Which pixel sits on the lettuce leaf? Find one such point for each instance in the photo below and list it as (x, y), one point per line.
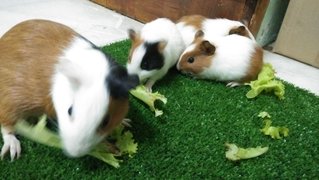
(41, 134)
(274, 132)
(126, 144)
(264, 114)
(266, 82)
(149, 98)
(235, 153)
(124, 141)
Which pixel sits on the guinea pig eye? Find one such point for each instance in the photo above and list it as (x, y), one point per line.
(70, 110)
(190, 60)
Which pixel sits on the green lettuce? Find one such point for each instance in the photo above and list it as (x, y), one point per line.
(235, 153)
(149, 98)
(266, 82)
(264, 114)
(272, 131)
(41, 134)
(124, 141)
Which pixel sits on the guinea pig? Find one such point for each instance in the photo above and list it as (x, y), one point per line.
(189, 25)
(48, 68)
(155, 49)
(234, 58)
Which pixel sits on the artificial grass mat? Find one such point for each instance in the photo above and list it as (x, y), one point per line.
(187, 141)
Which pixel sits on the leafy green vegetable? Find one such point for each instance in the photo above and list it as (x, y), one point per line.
(40, 134)
(235, 153)
(126, 144)
(266, 82)
(149, 98)
(101, 152)
(264, 114)
(274, 132)
(124, 141)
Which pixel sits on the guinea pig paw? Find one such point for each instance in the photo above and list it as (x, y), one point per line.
(233, 84)
(113, 149)
(12, 144)
(127, 122)
(149, 84)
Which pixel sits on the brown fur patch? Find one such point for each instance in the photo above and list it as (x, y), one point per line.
(161, 46)
(255, 65)
(201, 59)
(28, 53)
(241, 30)
(117, 111)
(193, 20)
(136, 41)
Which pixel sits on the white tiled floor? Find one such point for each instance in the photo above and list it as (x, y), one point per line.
(98, 24)
(103, 26)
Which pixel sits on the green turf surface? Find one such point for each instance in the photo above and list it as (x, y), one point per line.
(188, 140)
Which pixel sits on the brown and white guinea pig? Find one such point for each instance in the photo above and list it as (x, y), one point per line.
(46, 67)
(189, 25)
(234, 59)
(155, 49)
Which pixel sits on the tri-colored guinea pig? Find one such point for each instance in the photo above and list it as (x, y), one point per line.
(46, 67)
(155, 49)
(233, 58)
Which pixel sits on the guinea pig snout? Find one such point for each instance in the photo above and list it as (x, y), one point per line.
(79, 144)
(180, 66)
(73, 154)
(79, 151)
(187, 73)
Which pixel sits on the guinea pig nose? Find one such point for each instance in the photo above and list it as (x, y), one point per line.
(186, 73)
(189, 74)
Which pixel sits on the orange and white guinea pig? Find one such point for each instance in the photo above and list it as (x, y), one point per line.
(46, 67)
(189, 25)
(233, 58)
(155, 49)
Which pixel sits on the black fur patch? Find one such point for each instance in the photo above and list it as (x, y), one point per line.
(120, 82)
(152, 59)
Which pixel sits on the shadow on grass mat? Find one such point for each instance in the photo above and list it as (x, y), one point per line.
(188, 140)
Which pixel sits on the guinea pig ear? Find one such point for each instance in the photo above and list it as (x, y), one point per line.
(199, 34)
(207, 48)
(132, 34)
(161, 46)
(240, 30)
(120, 82)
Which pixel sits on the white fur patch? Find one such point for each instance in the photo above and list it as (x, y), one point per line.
(187, 32)
(221, 27)
(212, 28)
(80, 82)
(231, 59)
